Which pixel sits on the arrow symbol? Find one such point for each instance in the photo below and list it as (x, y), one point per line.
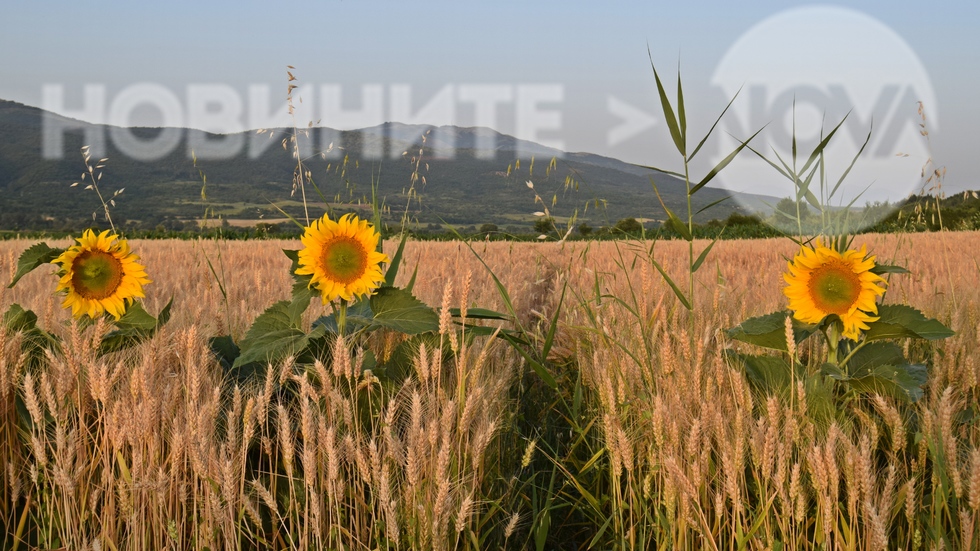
(634, 122)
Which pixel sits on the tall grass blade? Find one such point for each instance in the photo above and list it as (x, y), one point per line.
(675, 131)
(671, 172)
(712, 129)
(675, 222)
(721, 166)
(677, 290)
(853, 161)
(217, 279)
(703, 255)
(713, 203)
(553, 328)
(772, 164)
(803, 190)
(823, 144)
(681, 114)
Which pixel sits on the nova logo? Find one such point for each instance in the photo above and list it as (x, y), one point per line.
(831, 62)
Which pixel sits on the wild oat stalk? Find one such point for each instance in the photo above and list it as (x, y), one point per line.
(94, 178)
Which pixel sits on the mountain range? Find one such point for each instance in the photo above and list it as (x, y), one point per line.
(478, 184)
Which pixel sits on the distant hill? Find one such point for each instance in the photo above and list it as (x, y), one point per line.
(471, 188)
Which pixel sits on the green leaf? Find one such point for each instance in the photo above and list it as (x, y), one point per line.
(779, 169)
(670, 172)
(34, 340)
(712, 129)
(676, 289)
(833, 371)
(724, 162)
(552, 329)
(703, 255)
(411, 282)
(399, 364)
(34, 256)
(479, 314)
(820, 147)
(897, 321)
(397, 309)
(396, 261)
(904, 382)
(675, 131)
(803, 191)
(358, 314)
(135, 326)
(537, 366)
(873, 355)
(221, 287)
(880, 367)
(853, 161)
(16, 319)
(302, 293)
(681, 112)
(224, 349)
(678, 225)
(675, 222)
(711, 204)
(881, 269)
(769, 331)
(770, 374)
(276, 334)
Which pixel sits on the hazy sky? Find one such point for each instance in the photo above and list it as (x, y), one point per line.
(580, 67)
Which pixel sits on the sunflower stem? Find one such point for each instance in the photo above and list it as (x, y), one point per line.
(833, 342)
(342, 317)
(850, 354)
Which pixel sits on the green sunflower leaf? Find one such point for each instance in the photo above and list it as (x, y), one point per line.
(896, 321)
(276, 334)
(16, 318)
(903, 382)
(34, 256)
(135, 326)
(399, 364)
(769, 331)
(302, 292)
(397, 309)
(881, 368)
(874, 355)
(34, 340)
(770, 374)
(225, 350)
(358, 314)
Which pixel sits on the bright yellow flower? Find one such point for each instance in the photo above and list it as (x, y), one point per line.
(342, 257)
(99, 275)
(822, 281)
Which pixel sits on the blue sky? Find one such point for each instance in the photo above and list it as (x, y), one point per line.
(591, 50)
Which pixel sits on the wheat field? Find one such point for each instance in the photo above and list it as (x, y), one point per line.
(650, 439)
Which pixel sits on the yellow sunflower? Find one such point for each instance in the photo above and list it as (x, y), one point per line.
(100, 274)
(342, 257)
(822, 281)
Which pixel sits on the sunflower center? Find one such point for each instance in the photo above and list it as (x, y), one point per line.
(344, 259)
(96, 274)
(834, 287)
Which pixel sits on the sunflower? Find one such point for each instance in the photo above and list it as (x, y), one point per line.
(99, 275)
(822, 281)
(342, 258)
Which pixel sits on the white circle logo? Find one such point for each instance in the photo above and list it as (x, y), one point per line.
(831, 62)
